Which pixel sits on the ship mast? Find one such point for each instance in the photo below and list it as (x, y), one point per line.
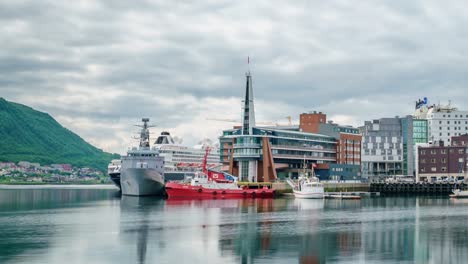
(144, 133)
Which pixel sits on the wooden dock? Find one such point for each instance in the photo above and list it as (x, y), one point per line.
(417, 188)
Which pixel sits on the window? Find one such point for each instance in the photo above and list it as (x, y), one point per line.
(448, 122)
(460, 151)
(444, 169)
(448, 134)
(433, 152)
(443, 151)
(433, 160)
(440, 122)
(433, 169)
(444, 160)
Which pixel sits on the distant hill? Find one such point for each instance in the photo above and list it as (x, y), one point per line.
(30, 135)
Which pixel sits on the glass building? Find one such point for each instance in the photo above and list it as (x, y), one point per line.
(284, 151)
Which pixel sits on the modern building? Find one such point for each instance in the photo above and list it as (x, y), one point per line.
(387, 147)
(269, 153)
(444, 122)
(263, 154)
(348, 144)
(438, 161)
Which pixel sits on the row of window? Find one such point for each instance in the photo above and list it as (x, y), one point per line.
(441, 151)
(455, 122)
(443, 160)
(434, 169)
(454, 128)
(448, 134)
(456, 116)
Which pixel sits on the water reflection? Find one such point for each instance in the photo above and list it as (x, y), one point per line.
(106, 229)
(137, 230)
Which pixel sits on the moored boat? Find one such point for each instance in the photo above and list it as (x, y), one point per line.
(307, 187)
(113, 170)
(459, 194)
(142, 170)
(211, 184)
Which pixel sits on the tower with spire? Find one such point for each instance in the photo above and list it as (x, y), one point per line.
(248, 113)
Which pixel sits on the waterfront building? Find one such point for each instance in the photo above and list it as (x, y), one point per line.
(443, 122)
(387, 147)
(438, 161)
(348, 144)
(263, 154)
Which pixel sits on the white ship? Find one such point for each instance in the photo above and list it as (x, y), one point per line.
(181, 161)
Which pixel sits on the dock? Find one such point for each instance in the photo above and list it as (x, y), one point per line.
(417, 188)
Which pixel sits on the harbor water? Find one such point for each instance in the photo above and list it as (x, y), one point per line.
(94, 224)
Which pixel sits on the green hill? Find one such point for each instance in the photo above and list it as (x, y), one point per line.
(30, 135)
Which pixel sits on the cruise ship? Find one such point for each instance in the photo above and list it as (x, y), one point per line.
(180, 161)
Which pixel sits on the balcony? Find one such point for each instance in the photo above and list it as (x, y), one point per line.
(289, 147)
(246, 155)
(301, 157)
(247, 145)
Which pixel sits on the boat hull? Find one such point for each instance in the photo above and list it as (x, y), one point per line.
(141, 182)
(459, 194)
(186, 191)
(308, 195)
(115, 178)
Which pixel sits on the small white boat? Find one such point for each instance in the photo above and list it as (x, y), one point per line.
(309, 188)
(459, 194)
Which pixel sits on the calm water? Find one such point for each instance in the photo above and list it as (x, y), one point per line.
(93, 225)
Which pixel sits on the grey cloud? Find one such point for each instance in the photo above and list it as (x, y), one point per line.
(309, 55)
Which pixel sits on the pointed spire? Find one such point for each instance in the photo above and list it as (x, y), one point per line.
(248, 115)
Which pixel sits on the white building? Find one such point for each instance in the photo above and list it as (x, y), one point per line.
(443, 122)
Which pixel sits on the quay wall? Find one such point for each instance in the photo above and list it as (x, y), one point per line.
(416, 188)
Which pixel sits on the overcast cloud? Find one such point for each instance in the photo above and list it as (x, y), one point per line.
(99, 66)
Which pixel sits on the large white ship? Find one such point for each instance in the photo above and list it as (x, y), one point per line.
(182, 161)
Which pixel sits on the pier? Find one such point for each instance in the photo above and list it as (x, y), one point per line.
(416, 188)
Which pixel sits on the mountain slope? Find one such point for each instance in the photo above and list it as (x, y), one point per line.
(30, 135)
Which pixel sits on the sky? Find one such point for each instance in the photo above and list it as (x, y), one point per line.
(98, 66)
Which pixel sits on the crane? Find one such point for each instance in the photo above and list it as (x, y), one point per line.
(267, 123)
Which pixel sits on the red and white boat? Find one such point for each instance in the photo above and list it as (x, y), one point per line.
(214, 185)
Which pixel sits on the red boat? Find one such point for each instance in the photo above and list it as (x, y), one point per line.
(214, 185)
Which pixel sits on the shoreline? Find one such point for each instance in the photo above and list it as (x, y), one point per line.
(56, 186)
